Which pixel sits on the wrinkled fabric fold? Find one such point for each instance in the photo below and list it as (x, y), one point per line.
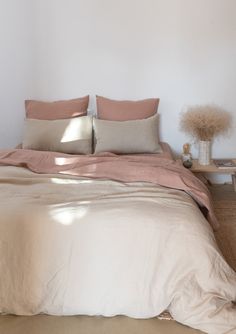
(155, 168)
(72, 245)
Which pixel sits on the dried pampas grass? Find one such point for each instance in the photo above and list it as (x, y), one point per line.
(205, 122)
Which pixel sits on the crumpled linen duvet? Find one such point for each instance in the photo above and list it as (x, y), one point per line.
(96, 246)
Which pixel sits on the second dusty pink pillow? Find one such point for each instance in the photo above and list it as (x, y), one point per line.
(56, 110)
(113, 110)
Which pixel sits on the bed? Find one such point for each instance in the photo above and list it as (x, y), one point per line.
(108, 234)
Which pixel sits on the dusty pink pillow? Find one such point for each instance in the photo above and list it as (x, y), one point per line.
(113, 110)
(56, 110)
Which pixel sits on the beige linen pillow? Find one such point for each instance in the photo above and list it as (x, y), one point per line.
(66, 135)
(113, 110)
(139, 136)
(58, 109)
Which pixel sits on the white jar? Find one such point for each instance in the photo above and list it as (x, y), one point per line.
(204, 157)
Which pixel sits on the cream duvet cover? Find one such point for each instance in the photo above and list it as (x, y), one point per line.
(73, 245)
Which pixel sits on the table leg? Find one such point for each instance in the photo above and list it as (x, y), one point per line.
(234, 181)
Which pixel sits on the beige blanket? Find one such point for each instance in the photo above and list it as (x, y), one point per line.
(155, 168)
(73, 245)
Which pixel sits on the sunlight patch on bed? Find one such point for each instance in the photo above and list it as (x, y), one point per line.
(64, 181)
(75, 130)
(68, 181)
(68, 216)
(86, 181)
(62, 161)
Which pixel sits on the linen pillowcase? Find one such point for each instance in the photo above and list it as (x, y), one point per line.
(57, 110)
(73, 136)
(113, 110)
(138, 136)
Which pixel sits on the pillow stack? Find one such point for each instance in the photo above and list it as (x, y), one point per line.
(126, 127)
(121, 127)
(61, 126)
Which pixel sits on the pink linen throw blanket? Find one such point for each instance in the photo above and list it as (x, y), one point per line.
(154, 168)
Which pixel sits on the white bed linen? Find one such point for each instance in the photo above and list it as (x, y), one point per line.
(98, 247)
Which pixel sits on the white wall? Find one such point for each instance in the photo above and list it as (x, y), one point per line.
(182, 51)
(15, 67)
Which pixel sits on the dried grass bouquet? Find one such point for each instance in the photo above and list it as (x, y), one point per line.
(205, 122)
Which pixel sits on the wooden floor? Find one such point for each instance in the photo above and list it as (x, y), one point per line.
(225, 209)
(223, 192)
(43, 324)
(98, 325)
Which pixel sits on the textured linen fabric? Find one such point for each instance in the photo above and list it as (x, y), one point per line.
(65, 135)
(114, 110)
(58, 109)
(139, 136)
(155, 168)
(74, 245)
